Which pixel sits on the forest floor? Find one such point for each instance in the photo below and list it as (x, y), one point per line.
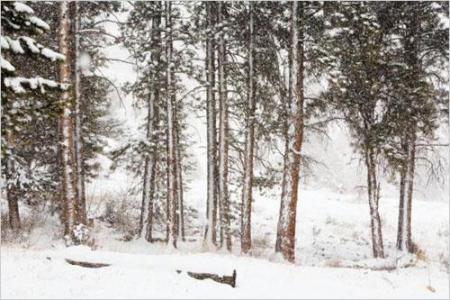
(333, 258)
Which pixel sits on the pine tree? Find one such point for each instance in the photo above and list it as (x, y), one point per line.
(19, 19)
(357, 91)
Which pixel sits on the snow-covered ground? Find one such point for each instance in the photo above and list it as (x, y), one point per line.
(45, 274)
(333, 258)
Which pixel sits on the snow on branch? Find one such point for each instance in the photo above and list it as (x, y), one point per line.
(31, 45)
(20, 85)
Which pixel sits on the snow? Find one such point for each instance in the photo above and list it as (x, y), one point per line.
(52, 55)
(39, 23)
(22, 7)
(17, 84)
(333, 256)
(45, 274)
(6, 65)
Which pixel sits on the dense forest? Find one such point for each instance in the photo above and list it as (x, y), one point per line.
(249, 68)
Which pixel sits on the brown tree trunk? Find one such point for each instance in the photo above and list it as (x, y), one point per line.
(171, 155)
(373, 194)
(247, 189)
(410, 189)
(223, 139)
(11, 188)
(288, 210)
(67, 150)
(401, 209)
(211, 205)
(78, 140)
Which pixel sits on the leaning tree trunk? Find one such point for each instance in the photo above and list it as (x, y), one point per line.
(246, 238)
(288, 209)
(171, 155)
(69, 191)
(78, 140)
(210, 229)
(224, 202)
(373, 191)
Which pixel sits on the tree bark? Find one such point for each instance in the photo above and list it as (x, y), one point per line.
(410, 189)
(78, 140)
(210, 229)
(171, 155)
(151, 159)
(288, 209)
(286, 111)
(401, 209)
(247, 197)
(223, 138)
(69, 190)
(373, 194)
(181, 229)
(11, 187)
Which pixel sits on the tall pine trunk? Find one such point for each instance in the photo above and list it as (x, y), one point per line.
(171, 154)
(78, 140)
(247, 197)
(223, 138)
(211, 205)
(151, 159)
(67, 153)
(288, 206)
(286, 110)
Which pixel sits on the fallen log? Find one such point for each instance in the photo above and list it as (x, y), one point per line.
(86, 264)
(229, 280)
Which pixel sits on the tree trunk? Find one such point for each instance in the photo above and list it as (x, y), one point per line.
(246, 238)
(410, 188)
(286, 111)
(78, 140)
(223, 139)
(210, 230)
(11, 186)
(151, 159)
(171, 157)
(401, 210)
(288, 209)
(373, 190)
(181, 229)
(69, 191)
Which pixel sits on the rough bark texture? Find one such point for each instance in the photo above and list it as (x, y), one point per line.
(288, 209)
(246, 238)
(171, 155)
(210, 230)
(410, 189)
(148, 191)
(286, 110)
(78, 140)
(373, 194)
(11, 189)
(224, 205)
(69, 191)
